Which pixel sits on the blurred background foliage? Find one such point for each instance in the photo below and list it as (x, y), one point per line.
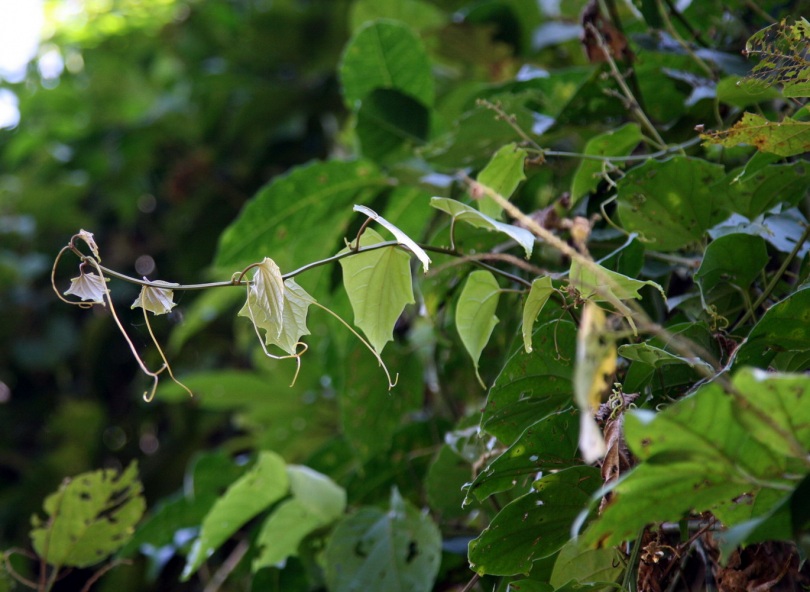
(151, 123)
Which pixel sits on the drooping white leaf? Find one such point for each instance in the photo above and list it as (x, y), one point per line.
(401, 237)
(473, 217)
(156, 300)
(89, 287)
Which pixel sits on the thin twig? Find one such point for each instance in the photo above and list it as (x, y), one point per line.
(228, 566)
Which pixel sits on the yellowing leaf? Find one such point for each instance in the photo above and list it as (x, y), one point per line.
(401, 237)
(595, 365)
(602, 285)
(538, 296)
(473, 217)
(293, 317)
(379, 286)
(786, 138)
(89, 287)
(475, 314)
(156, 300)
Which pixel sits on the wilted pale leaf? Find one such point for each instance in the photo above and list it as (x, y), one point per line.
(401, 237)
(156, 300)
(294, 317)
(89, 287)
(265, 303)
(595, 364)
(87, 237)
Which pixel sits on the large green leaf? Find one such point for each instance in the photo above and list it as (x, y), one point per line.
(473, 217)
(534, 525)
(617, 142)
(264, 484)
(549, 444)
(671, 203)
(788, 137)
(503, 174)
(580, 563)
(475, 313)
(531, 386)
(397, 551)
(753, 191)
(279, 221)
(389, 124)
(316, 502)
(90, 517)
(732, 259)
(695, 456)
(418, 14)
(379, 286)
(784, 327)
(385, 54)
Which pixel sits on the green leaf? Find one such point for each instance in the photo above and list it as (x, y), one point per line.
(397, 551)
(785, 326)
(534, 525)
(448, 473)
(401, 237)
(90, 517)
(265, 301)
(531, 386)
(473, 217)
(475, 313)
(617, 142)
(582, 564)
(293, 319)
(385, 54)
(695, 456)
(550, 444)
(389, 124)
(776, 410)
(755, 190)
(316, 502)
(786, 138)
(379, 286)
(734, 259)
(602, 285)
(782, 52)
(418, 14)
(539, 294)
(265, 483)
(280, 219)
(503, 174)
(671, 203)
(655, 356)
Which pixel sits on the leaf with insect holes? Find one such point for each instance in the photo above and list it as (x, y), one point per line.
(293, 317)
(157, 300)
(475, 314)
(788, 137)
(265, 302)
(401, 237)
(89, 287)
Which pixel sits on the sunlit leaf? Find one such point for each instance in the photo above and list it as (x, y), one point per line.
(473, 217)
(401, 237)
(397, 550)
(265, 483)
(475, 313)
(90, 517)
(602, 285)
(385, 54)
(534, 525)
(671, 203)
(596, 363)
(89, 287)
(617, 142)
(503, 173)
(539, 294)
(379, 286)
(786, 138)
(316, 502)
(783, 58)
(293, 324)
(157, 300)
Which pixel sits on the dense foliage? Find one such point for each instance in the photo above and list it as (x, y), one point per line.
(537, 273)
